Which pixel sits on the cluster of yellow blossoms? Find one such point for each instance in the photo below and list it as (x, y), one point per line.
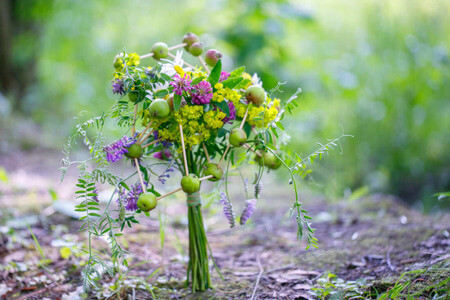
(197, 125)
(257, 116)
(131, 59)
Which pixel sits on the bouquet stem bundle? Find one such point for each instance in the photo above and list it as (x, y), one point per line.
(198, 268)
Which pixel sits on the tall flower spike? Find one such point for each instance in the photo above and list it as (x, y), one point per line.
(116, 150)
(227, 209)
(248, 210)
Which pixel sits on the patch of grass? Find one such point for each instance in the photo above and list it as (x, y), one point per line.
(433, 282)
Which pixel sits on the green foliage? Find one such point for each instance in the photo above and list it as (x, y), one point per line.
(379, 69)
(329, 286)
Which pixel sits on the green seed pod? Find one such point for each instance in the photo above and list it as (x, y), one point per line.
(196, 49)
(160, 50)
(190, 38)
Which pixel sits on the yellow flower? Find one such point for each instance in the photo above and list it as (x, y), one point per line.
(213, 119)
(179, 70)
(263, 115)
(133, 59)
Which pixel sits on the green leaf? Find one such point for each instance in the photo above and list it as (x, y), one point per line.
(280, 125)
(243, 83)
(161, 93)
(165, 77)
(223, 106)
(232, 82)
(196, 80)
(222, 132)
(237, 72)
(215, 73)
(247, 128)
(176, 101)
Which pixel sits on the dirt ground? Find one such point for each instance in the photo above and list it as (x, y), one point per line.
(372, 247)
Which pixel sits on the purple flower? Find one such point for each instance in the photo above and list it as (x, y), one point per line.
(116, 150)
(165, 144)
(248, 210)
(162, 155)
(232, 116)
(164, 175)
(227, 209)
(130, 199)
(202, 93)
(181, 85)
(118, 87)
(224, 76)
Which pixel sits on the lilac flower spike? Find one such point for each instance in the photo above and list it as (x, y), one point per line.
(116, 150)
(227, 209)
(118, 87)
(130, 199)
(248, 210)
(181, 85)
(202, 93)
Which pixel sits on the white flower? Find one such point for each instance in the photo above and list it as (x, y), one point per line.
(256, 80)
(168, 67)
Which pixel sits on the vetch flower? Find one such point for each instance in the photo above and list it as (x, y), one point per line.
(116, 150)
(181, 85)
(232, 115)
(118, 87)
(130, 199)
(227, 209)
(164, 175)
(162, 155)
(248, 210)
(202, 93)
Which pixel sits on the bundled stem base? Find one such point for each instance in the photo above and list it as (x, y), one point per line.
(198, 268)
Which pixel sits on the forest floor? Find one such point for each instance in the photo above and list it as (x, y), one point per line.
(370, 247)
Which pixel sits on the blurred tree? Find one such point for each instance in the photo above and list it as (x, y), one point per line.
(19, 36)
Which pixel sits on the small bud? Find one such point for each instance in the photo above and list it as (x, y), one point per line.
(212, 56)
(159, 50)
(196, 49)
(190, 38)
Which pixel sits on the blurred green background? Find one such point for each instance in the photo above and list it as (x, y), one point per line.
(380, 69)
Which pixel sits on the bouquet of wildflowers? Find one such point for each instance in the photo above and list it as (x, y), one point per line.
(197, 121)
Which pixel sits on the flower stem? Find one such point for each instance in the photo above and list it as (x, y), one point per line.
(143, 132)
(244, 118)
(151, 143)
(146, 55)
(224, 153)
(168, 194)
(203, 64)
(206, 177)
(186, 169)
(133, 129)
(248, 147)
(139, 172)
(177, 46)
(206, 153)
